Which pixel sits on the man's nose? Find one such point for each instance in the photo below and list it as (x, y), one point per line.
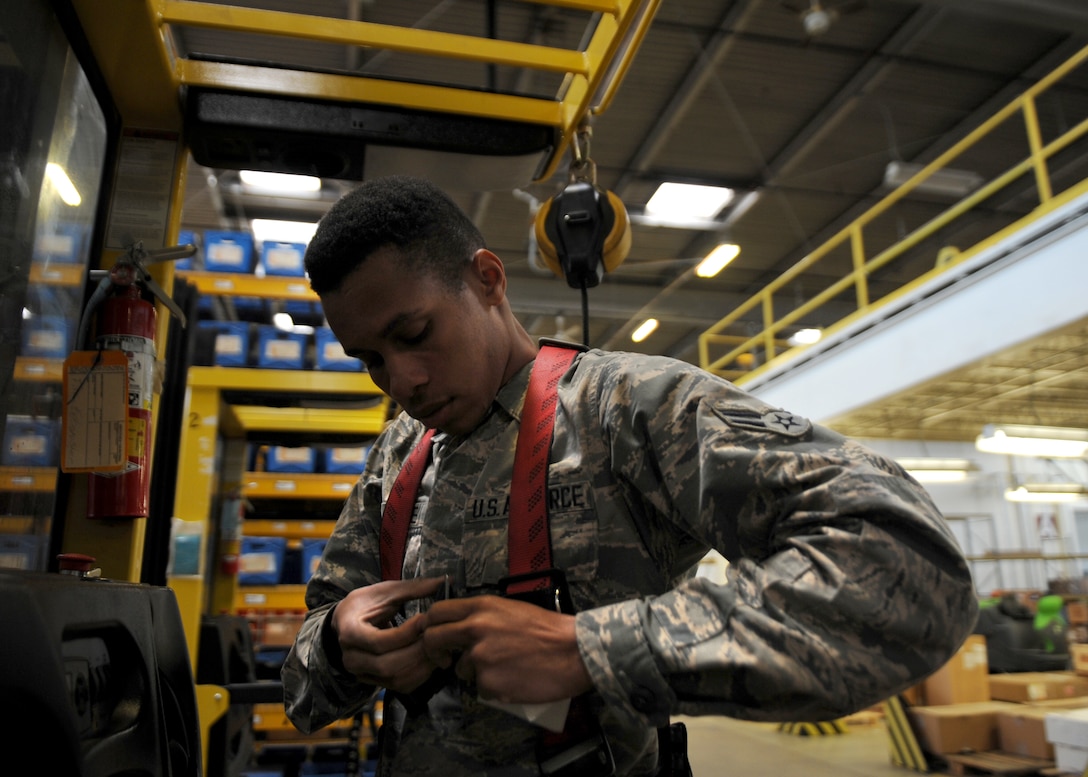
(406, 376)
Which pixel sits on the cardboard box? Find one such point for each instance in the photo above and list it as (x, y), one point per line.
(1022, 731)
(1076, 613)
(1078, 653)
(952, 728)
(1036, 686)
(1068, 732)
(964, 678)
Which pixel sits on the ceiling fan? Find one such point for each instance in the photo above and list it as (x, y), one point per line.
(816, 17)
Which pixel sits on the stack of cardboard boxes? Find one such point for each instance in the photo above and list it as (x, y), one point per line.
(963, 708)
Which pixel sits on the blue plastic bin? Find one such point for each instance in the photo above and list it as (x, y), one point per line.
(31, 442)
(329, 354)
(344, 460)
(228, 251)
(285, 459)
(282, 258)
(231, 346)
(280, 350)
(261, 561)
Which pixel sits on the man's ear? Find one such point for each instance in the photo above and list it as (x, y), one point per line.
(488, 272)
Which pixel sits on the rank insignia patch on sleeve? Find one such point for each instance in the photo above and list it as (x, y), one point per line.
(777, 421)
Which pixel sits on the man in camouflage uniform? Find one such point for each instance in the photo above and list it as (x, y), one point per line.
(844, 585)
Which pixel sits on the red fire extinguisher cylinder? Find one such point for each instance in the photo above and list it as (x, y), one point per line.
(127, 323)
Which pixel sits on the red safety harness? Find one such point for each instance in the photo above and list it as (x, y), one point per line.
(529, 539)
(529, 560)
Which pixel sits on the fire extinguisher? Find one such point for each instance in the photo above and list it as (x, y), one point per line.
(126, 323)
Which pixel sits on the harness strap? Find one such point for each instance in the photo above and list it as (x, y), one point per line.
(397, 515)
(529, 538)
(529, 547)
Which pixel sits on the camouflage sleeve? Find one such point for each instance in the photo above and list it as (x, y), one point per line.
(317, 689)
(844, 584)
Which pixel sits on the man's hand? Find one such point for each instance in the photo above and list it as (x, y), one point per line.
(515, 652)
(373, 649)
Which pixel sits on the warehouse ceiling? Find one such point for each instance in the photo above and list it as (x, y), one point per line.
(799, 114)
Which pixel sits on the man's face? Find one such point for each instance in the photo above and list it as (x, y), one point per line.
(439, 353)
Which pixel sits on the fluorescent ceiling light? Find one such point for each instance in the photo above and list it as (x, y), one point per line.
(645, 329)
(1043, 441)
(280, 183)
(1047, 492)
(63, 184)
(943, 181)
(273, 230)
(686, 201)
(806, 337)
(937, 470)
(717, 259)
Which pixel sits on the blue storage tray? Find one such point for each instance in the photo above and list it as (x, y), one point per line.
(47, 336)
(344, 460)
(228, 251)
(329, 354)
(281, 458)
(281, 350)
(64, 244)
(312, 549)
(231, 347)
(282, 258)
(21, 551)
(31, 442)
(261, 561)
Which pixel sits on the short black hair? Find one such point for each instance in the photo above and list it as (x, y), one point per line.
(430, 232)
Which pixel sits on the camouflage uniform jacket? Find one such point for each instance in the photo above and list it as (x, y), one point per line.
(844, 584)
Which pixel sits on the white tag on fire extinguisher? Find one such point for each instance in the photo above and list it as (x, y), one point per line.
(94, 425)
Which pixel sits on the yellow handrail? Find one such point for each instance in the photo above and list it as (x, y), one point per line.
(749, 356)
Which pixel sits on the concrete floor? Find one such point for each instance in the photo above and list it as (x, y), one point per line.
(723, 746)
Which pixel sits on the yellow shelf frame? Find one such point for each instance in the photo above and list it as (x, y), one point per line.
(287, 596)
(272, 485)
(208, 417)
(28, 479)
(292, 528)
(57, 274)
(124, 31)
(39, 369)
(243, 285)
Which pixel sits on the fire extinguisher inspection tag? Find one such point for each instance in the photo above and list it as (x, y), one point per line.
(95, 418)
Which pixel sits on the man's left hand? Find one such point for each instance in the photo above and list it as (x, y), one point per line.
(513, 651)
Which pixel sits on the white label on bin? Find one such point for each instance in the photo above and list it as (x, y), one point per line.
(334, 351)
(258, 562)
(224, 285)
(15, 561)
(283, 349)
(226, 253)
(254, 598)
(294, 454)
(297, 288)
(228, 345)
(284, 485)
(57, 244)
(347, 455)
(283, 258)
(28, 444)
(46, 340)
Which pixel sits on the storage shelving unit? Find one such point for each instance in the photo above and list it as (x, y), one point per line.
(28, 491)
(228, 409)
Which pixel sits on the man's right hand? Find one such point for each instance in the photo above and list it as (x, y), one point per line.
(376, 651)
